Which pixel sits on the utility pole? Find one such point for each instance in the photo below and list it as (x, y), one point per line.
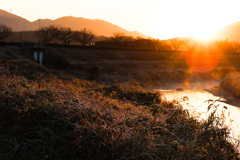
(39, 47)
(23, 31)
(39, 27)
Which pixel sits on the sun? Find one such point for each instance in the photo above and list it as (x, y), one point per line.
(204, 35)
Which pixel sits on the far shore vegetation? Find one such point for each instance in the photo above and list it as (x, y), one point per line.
(65, 35)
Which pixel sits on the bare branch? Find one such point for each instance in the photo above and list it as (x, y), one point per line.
(65, 35)
(47, 34)
(5, 31)
(84, 36)
(176, 43)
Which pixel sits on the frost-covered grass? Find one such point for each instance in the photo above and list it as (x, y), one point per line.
(45, 117)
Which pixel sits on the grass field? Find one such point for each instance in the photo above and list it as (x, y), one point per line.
(47, 115)
(155, 67)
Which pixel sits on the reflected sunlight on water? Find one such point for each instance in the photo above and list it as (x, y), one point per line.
(196, 101)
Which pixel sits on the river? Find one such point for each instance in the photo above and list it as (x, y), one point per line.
(195, 96)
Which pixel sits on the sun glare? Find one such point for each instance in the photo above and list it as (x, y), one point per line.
(201, 19)
(202, 61)
(204, 35)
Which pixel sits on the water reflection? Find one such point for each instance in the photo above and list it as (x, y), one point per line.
(196, 101)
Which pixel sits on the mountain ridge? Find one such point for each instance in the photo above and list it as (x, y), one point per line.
(98, 26)
(230, 32)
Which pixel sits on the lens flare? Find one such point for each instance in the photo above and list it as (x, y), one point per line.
(202, 61)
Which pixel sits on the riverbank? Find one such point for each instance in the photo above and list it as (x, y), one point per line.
(44, 116)
(147, 67)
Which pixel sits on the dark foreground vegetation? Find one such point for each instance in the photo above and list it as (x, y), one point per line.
(231, 84)
(43, 116)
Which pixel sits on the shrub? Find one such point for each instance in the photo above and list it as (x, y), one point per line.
(133, 93)
(231, 84)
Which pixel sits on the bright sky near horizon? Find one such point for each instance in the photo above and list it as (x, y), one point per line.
(161, 19)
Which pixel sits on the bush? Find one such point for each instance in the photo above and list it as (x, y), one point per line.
(231, 84)
(133, 93)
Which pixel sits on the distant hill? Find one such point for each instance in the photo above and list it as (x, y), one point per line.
(13, 21)
(230, 32)
(99, 27)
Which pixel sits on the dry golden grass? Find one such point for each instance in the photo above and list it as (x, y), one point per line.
(46, 117)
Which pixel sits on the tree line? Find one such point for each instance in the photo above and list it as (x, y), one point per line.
(52, 33)
(66, 35)
(176, 44)
(121, 40)
(192, 44)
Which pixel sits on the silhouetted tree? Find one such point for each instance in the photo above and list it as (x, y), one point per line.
(47, 34)
(176, 43)
(236, 46)
(225, 46)
(5, 31)
(118, 37)
(121, 40)
(65, 35)
(84, 36)
(190, 44)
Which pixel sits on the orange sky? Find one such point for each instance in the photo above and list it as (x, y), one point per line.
(157, 18)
